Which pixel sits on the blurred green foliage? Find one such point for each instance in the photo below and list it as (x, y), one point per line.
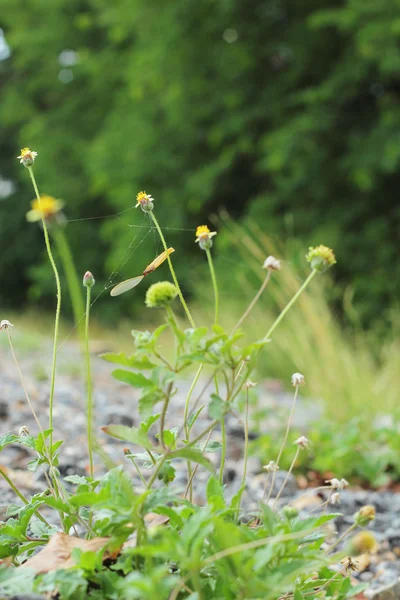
(281, 110)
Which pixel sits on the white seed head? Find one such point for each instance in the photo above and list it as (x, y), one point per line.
(343, 484)
(4, 324)
(302, 442)
(249, 385)
(23, 430)
(335, 498)
(298, 379)
(272, 264)
(271, 467)
(337, 484)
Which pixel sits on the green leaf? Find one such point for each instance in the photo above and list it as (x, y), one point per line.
(146, 425)
(193, 417)
(134, 361)
(194, 456)
(148, 400)
(136, 380)
(212, 446)
(216, 407)
(133, 435)
(215, 494)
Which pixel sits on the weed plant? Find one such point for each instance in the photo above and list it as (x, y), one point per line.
(117, 537)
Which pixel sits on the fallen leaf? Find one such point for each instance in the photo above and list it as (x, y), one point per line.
(57, 553)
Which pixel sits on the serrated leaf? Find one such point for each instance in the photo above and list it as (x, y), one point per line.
(146, 425)
(148, 400)
(76, 479)
(133, 435)
(136, 380)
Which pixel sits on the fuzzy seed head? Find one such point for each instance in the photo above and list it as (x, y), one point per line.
(23, 430)
(302, 442)
(249, 385)
(145, 201)
(161, 294)
(349, 564)
(271, 467)
(335, 499)
(27, 157)
(298, 379)
(320, 258)
(4, 324)
(272, 264)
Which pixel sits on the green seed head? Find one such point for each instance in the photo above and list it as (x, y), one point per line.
(161, 294)
(320, 258)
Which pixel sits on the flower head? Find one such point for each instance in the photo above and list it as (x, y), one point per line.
(88, 279)
(27, 157)
(161, 294)
(363, 542)
(4, 324)
(337, 484)
(145, 201)
(349, 564)
(23, 430)
(298, 379)
(203, 237)
(365, 515)
(249, 385)
(47, 208)
(302, 442)
(320, 258)
(271, 467)
(335, 498)
(272, 264)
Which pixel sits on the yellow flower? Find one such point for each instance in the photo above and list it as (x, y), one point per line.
(47, 207)
(203, 237)
(320, 258)
(145, 201)
(27, 157)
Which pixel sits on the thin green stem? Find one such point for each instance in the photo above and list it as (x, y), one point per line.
(164, 413)
(89, 407)
(73, 281)
(223, 449)
(58, 307)
(187, 430)
(133, 461)
(157, 468)
(20, 495)
(287, 477)
(215, 284)
(246, 437)
(171, 268)
(252, 303)
(348, 530)
(289, 305)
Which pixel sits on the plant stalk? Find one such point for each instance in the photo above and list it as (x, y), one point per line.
(215, 284)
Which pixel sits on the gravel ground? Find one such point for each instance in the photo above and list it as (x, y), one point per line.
(117, 403)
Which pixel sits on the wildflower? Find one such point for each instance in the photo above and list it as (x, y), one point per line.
(88, 279)
(272, 264)
(302, 442)
(23, 430)
(161, 294)
(145, 201)
(349, 564)
(365, 515)
(335, 498)
(363, 542)
(47, 208)
(337, 484)
(27, 157)
(271, 467)
(320, 258)
(249, 385)
(4, 324)
(203, 237)
(298, 379)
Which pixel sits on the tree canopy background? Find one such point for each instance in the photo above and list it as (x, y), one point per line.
(279, 110)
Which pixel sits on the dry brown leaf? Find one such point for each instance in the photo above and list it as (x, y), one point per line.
(57, 553)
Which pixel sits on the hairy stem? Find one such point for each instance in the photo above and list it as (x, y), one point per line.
(171, 268)
(58, 307)
(287, 477)
(215, 285)
(164, 413)
(89, 407)
(252, 303)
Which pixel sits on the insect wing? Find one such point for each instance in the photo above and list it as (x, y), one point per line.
(126, 285)
(158, 261)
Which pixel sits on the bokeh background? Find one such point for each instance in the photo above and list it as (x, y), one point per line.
(275, 121)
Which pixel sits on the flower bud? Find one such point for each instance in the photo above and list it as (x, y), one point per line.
(290, 512)
(27, 157)
(126, 451)
(161, 294)
(145, 201)
(320, 258)
(204, 237)
(365, 515)
(88, 279)
(4, 324)
(272, 264)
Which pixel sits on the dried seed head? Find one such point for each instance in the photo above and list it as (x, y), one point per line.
(272, 264)
(349, 564)
(203, 237)
(88, 280)
(335, 498)
(365, 515)
(23, 430)
(302, 442)
(145, 201)
(161, 294)
(249, 385)
(4, 324)
(320, 258)
(298, 379)
(126, 451)
(271, 467)
(27, 157)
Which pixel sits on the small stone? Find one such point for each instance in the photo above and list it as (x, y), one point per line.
(117, 416)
